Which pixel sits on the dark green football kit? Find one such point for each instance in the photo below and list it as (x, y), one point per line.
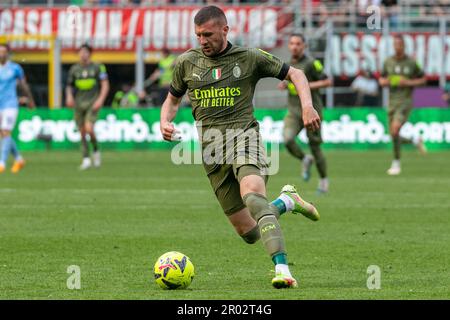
(400, 98)
(221, 90)
(293, 122)
(86, 82)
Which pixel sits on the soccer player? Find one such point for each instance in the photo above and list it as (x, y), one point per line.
(220, 79)
(401, 74)
(86, 91)
(293, 123)
(162, 74)
(11, 75)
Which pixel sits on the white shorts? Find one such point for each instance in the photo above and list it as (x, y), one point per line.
(8, 118)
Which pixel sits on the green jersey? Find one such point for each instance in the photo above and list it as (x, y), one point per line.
(313, 70)
(86, 82)
(395, 69)
(221, 88)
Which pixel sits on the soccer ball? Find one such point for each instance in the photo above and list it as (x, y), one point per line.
(173, 270)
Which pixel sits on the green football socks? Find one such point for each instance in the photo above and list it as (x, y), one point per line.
(269, 228)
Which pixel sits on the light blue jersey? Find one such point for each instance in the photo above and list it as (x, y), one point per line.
(10, 72)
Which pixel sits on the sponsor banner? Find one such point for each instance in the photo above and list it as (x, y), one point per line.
(352, 52)
(352, 128)
(117, 28)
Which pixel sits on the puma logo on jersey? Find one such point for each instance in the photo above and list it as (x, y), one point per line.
(196, 75)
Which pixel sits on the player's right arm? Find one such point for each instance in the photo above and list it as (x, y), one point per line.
(268, 65)
(169, 110)
(70, 101)
(384, 80)
(318, 78)
(310, 116)
(170, 106)
(102, 76)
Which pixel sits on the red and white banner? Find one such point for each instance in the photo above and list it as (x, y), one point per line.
(352, 52)
(117, 28)
(255, 26)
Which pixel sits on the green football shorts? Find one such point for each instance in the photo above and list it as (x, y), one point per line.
(225, 183)
(85, 115)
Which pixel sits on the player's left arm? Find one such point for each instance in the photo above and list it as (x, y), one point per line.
(23, 85)
(418, 79)
(416, 82)
(320, 79)
(321, 84)
(383, 80)
(104, 88)
(310, 116)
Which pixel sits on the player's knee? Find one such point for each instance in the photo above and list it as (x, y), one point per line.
(250, 186)
(251, 180)
(82, 130)
(288, 139)
(395, 132)
(395, 129)
(315, 147)
(88, 128)
(290, 146)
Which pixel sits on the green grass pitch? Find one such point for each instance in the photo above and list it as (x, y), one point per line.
(115, 221)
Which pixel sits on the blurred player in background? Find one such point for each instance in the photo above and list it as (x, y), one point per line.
(163, 74)
(11, 75)
(401, 74)
(87, 88)
(293, 122)
(220, 79)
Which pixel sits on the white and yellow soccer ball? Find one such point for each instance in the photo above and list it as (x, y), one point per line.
(173, 270)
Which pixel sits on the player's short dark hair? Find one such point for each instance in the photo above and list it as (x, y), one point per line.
(87, 47)
(5, 45)
(210, 13)
(298, 35)
(399, 37)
